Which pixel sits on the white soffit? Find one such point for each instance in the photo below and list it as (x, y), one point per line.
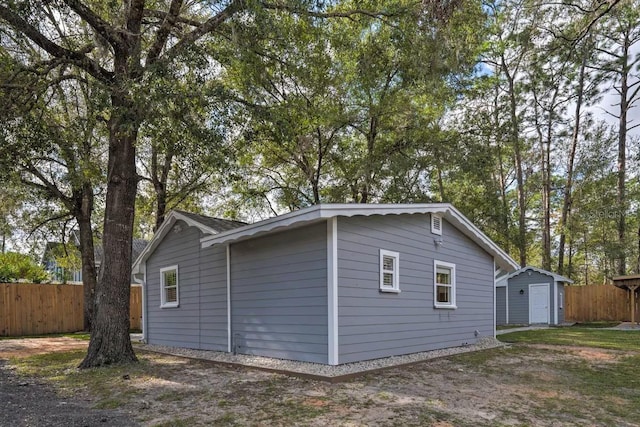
(323, 212)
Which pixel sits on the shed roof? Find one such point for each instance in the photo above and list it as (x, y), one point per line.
(625, 281)
(323, 212)
(556, 277)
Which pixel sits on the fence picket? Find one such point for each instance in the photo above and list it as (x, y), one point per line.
(31, 309)
(597, 302)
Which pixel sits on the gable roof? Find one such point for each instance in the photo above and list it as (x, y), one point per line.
(137, 246)
(556, 277)
(323, 212)
(208, 225)
(217, 224)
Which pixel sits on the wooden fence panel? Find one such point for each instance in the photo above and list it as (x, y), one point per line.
(29, 309)
(597, 303)
(135, 310)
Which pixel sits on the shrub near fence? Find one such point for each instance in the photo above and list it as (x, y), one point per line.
(597, 302)
(29, 309)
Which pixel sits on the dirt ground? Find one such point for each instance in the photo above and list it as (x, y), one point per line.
(31, 346)
(31, 402)
(521, 385)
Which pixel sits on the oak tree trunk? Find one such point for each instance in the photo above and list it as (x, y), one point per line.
(110, 341)
(87, 254)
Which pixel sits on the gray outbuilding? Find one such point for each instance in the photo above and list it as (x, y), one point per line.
(529, 296)
(330, 284)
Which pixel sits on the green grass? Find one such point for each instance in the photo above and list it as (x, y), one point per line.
(505, 327)
(611, 339)
(598, 325)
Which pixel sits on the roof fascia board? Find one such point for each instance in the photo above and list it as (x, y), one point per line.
(319, 212)
(556, 277)
(475, 234)
(169, 221)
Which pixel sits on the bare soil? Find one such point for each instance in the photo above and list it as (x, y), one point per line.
(24, 347)
(522, 385)
(28, 402)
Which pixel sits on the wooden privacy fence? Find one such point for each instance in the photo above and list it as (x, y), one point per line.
(597, 302)
(27, 309)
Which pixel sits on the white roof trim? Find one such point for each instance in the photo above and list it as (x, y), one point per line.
(556, 277)
(322, 212)
(167, 224)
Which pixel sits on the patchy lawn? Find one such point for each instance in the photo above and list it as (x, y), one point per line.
(524, 384)
(506, 327)
(602, 324)
(599, 338)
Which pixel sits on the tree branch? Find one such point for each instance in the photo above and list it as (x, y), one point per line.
(102, 27)
(208, 26)
(344, 14)
(47, 186)
(163, 32)
(77, 58)
(55, 218)
(152, 13)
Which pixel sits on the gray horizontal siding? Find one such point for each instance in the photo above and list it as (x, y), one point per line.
(279, 295)
(501, 306)
(201, 319)
(213, 298)
(374, 324)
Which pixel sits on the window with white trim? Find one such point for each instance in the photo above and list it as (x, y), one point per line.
(389, 271)
(169, 286)
(436, 224)
(444, 284)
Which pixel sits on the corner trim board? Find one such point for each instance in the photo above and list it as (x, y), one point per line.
(495, 307)
(555, 302)
(507, 303)
(332, 290)
(228, 298)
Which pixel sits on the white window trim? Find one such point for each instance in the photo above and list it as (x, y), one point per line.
(163, 303)
(452, 305)
(435, 230)
(396, 271)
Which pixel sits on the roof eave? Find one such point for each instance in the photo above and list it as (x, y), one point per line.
(316, 213)
(321, 212)
(556, 277)
(169, 221)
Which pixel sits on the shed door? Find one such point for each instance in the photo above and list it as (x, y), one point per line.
(539, 303)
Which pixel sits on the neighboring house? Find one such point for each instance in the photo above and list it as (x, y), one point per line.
(60, 274)
(530, 295)
(330, 284)
(49, 261)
